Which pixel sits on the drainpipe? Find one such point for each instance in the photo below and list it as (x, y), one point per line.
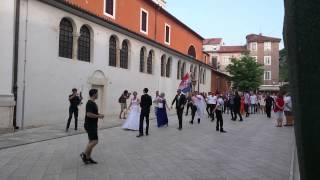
(14, 88)
(199, 78)
(24, 65)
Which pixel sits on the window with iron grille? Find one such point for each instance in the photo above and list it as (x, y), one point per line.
(195, 72)
(178, 70)
(149, 63)
(84, 44)
(163, 62)
(142, 58)
(65, 39)
(183, 70)
(124, 55)
(201, 76)
(113, 51)
(109, 7)
(168, 68)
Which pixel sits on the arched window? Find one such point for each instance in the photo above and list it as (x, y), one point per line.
(183, 70)
(178, 70)
(204, 76)
(66, 39)
(142, 58)
(113, 51)
(163, 64)
(195, 73)
(192, 51)
(124, 55)
(84, 44)
(168, 67)
(200, 75)
(149, 62)
(191, 73)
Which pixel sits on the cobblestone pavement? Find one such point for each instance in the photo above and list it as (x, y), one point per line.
(251, 150)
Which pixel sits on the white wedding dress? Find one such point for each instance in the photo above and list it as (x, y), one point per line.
(133, 120)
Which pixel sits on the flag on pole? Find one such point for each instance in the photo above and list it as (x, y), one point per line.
(185, 85)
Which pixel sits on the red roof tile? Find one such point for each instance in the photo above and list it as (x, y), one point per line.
(260, 38)
(232, 49)
(212, 41)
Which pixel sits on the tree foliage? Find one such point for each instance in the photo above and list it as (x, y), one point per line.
(246, 73)
(283, 66)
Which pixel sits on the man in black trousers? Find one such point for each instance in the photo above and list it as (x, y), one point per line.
(236, 106)
(75, 100)
(180, 101)
(145, 104)
(269, 103)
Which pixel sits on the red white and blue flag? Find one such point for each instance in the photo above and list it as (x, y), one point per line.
(185, 85)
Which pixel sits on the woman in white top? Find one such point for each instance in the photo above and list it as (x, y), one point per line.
(132, 122)
(262, 104)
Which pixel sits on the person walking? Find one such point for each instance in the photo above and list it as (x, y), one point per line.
(218, 109)
(180, 101)
(262, 104)
(247, 103)
(210, 102)
(189, 103)
(162, 117)
(145, 104)
(253, 102)
(123, 103)
(193, 106)
(231, 105)
(237, 106)
(279, 108)
(269, 103)
(91, 126)
(242, 109)
(75, 100)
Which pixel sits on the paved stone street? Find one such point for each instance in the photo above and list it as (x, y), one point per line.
(251, 150)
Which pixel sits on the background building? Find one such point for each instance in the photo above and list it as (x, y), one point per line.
(263, 48)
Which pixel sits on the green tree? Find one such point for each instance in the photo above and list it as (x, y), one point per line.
(283, 66)
(246, 74)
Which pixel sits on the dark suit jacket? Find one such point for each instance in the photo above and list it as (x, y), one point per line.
(181, 102)
(146, 102)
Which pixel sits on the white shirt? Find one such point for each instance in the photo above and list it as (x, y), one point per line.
(287, 103)
(211, 100)
(253, 99)
(220, 104)
(214, 99)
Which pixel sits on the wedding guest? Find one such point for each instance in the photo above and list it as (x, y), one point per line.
(91, 126)
(162, 117)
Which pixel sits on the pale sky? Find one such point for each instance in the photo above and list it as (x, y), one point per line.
(231, 20)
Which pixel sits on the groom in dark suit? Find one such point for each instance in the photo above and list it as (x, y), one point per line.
(180, 101)
(145, 104)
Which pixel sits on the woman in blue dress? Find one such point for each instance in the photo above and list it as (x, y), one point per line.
(162, 117)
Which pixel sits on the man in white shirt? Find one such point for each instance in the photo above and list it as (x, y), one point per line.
(218, 109)
(288, 110)
(253, 101)
(212, 101)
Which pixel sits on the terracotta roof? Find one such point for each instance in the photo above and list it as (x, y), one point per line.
(232, 49)
(260, 38)
(212, 41)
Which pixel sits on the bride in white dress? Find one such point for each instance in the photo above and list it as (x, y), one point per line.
(132, 122)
